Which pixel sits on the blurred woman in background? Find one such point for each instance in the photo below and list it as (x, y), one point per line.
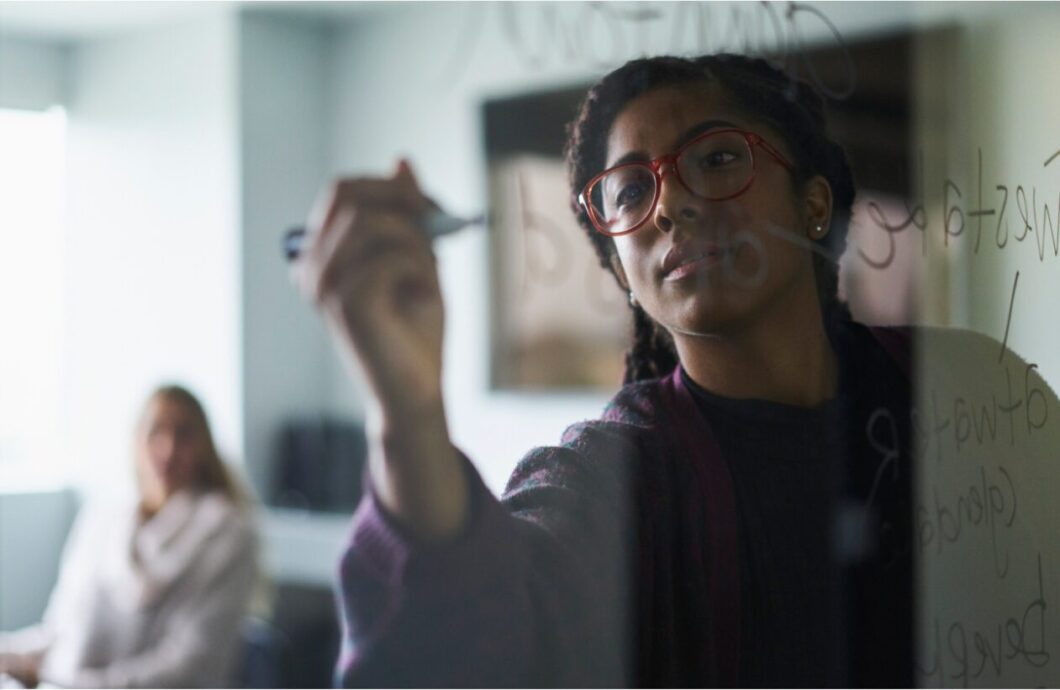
(153, 594)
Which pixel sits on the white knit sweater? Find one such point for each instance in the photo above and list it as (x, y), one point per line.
(157, 604)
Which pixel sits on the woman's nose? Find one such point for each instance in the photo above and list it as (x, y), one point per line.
(163, 447)
(676, 204)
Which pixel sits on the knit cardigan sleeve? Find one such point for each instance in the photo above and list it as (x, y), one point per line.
(533, 593)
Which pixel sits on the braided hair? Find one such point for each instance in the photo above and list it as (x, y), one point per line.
(789, 106)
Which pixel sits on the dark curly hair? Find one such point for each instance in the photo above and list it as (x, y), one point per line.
(764, 92)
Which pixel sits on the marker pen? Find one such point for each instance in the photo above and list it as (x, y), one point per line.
(436, 224)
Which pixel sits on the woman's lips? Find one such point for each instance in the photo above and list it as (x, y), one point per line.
(695, 264)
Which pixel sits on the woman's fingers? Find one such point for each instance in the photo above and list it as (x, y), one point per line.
(376, 281)
(355, 240)
(400, 193)
(346, 216)
(369, 267)
(390, 291)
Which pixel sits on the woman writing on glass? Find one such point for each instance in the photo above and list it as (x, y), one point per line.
(688, 536)
(151, 595)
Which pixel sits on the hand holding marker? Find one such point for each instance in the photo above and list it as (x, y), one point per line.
(436, 224)
(372, 275)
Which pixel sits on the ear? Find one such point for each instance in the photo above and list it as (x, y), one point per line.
(620, 273)
(817, 206)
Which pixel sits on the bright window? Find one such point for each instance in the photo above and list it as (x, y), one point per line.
(32, 155)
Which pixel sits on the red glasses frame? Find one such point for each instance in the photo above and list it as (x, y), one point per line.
(670, 160)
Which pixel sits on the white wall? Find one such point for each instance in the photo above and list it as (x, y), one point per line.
(286, 359)
(32, 72)
(153, 288)
(32, 77)
(152, 261)
(1011, 106)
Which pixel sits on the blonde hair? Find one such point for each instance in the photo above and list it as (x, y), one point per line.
(211, 474)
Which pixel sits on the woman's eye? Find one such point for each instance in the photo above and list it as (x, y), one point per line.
(628, 195)
(716, 159)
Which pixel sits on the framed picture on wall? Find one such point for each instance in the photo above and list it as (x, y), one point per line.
(558, 318)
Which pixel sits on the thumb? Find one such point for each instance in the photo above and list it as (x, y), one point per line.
(407, 179)
(404, 174)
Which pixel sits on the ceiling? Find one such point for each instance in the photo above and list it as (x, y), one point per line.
(73, 20)
(70, 20)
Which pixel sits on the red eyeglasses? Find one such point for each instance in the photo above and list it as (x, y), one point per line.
(715, 166)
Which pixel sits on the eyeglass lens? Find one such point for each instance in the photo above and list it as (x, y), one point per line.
(714, 167)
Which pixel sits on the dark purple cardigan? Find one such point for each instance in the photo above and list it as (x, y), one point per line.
(607, 563)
